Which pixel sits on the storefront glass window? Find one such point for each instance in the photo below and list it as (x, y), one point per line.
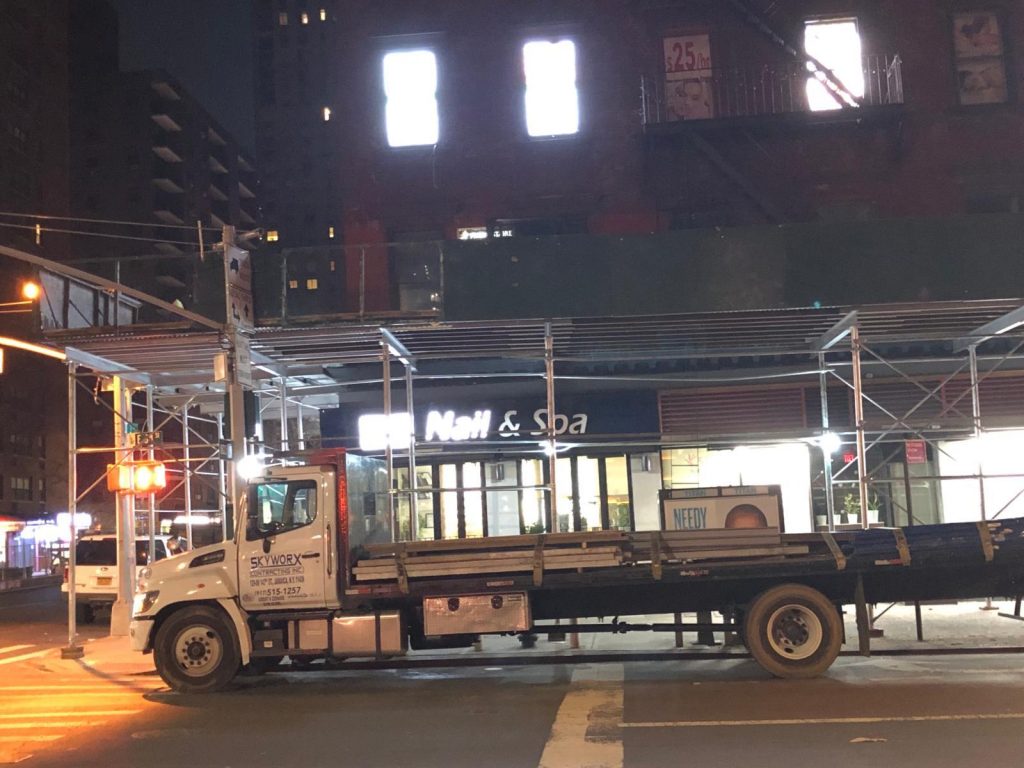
(473, 501)
(563, 505)
(424, 519)
(645, 471)
(503, 517)
(449, 502)
(589, 492)
(618, 493)
(533, 499)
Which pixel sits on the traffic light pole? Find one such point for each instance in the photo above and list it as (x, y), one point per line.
(121, 612)
(73, 650)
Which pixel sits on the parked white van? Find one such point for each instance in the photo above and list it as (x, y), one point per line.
(96, 570)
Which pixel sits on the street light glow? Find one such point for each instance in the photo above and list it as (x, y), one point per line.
(30, 290)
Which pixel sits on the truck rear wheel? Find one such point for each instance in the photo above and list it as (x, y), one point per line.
(793, 631)
(196, 650)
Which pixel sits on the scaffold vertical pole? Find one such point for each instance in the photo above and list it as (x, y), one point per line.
(972, 355)
(413, 515)
(186, 445)
(858, 411)
(549, 379)
(282, 393)
(222, 487)
(826, 454)
(389, 455)
(73, 650)
(150, 425)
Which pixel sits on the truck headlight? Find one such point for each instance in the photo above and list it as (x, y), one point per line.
(143, 602)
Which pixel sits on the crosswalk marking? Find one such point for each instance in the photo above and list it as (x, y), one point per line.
(12, 648)
(73, 713)
(24, 656)
(21, 739)
(827, 721)
(40, 724)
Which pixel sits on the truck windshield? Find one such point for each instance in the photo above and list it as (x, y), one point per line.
(281, 507)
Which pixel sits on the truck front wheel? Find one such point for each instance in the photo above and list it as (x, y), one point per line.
(793, 631)
(196, 650)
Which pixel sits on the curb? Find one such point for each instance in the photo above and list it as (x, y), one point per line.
(36, 582)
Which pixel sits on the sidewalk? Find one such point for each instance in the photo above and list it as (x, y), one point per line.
(947, 628)
(31, 582)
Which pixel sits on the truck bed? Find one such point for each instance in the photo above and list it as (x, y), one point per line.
(594, 568)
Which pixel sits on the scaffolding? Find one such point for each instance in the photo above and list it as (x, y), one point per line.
(171, 376)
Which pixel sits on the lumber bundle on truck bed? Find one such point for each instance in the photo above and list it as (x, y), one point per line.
(565, 552)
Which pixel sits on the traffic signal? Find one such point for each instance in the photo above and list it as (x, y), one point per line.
(138, 477)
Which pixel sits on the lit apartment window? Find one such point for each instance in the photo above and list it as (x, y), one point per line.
(410, 87)
(282, 19)
(323, 14)
(552, 102)
(293, 284)
(312, 284)
(330, 232)
(327, 114)
(272, 236)
(305, 18)
(836, 44)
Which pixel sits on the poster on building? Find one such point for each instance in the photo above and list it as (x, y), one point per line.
(980, 58)
(917, 452)
(738, 506)
(688, 83)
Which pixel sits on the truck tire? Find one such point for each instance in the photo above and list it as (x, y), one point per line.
(793, 631)
(196, 650)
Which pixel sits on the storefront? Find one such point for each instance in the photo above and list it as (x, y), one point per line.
(483, 465)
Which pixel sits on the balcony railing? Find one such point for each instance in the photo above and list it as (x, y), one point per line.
(768, 90)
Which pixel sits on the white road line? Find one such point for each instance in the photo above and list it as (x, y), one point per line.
(584, 732)
(73, 713)
(40, 724)
(12, 648)
(24, 656)
(827, 721)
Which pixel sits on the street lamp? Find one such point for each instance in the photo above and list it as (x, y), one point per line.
(31, 290)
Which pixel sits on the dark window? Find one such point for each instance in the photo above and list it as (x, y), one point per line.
(96, 552)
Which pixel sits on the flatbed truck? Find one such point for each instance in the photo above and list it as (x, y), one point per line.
(313, 571)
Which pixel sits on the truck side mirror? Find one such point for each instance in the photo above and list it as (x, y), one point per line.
(266, 545)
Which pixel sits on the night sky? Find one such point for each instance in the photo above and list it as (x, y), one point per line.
(205, 44)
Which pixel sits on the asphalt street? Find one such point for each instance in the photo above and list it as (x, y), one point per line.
(907, 711)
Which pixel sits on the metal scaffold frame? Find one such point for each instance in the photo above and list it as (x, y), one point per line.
(169, 371)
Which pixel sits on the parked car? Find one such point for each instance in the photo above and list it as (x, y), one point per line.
(96, 571)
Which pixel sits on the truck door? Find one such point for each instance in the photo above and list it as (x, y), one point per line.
(284, 551)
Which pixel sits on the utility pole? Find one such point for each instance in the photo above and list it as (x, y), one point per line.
(238, 322)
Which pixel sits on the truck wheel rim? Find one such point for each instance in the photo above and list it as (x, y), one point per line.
(794, 632)
(198, 650)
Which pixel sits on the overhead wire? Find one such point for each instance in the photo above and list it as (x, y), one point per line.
(33, 228)
(44, 217)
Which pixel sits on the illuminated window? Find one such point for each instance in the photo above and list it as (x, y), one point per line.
(282, 19)
(323, 14)
(330, 232)
(327, 114)
(305, 18)
(272, 236)
(312, 284)
(293, 284)
(836, 44)
(410, 87)
(552, 102)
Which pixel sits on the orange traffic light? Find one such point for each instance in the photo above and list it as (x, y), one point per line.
(138, 477)
(31, 290)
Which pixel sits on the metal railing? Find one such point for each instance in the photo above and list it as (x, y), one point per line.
(761, 91)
